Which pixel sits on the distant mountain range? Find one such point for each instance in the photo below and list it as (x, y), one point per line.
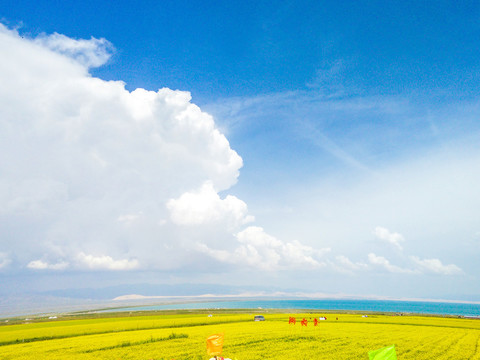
(149, 290)
(71, 300)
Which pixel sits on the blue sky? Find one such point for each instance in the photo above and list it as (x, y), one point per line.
(332, 148)
(216, 48)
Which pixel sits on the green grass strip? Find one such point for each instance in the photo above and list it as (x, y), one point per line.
(148, 341)
(57, 337)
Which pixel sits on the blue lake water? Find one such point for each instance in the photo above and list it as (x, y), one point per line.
(360, 305)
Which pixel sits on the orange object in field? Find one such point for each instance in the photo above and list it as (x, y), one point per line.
(214, 344)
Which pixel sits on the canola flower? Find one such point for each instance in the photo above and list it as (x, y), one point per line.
(183, 337)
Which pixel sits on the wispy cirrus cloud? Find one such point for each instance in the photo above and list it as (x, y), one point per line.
(90, 53)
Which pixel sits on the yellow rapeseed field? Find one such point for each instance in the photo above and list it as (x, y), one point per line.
(183, 336)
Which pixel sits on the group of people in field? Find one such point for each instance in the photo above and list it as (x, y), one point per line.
(215, 344)
(304, 321)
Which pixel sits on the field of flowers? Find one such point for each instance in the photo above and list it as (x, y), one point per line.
(183, 336)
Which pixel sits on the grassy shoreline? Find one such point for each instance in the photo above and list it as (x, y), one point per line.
(111, 313)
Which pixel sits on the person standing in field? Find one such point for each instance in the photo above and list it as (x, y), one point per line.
(214, 346)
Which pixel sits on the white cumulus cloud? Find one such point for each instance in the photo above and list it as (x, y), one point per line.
(43, 265)
(206, 206)
(435, 266)
(393, 238)
(258, 249)
(88, 167)
(349, 265)
(382, 262)
(128, 219)
(106, 262)
(4, 260)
